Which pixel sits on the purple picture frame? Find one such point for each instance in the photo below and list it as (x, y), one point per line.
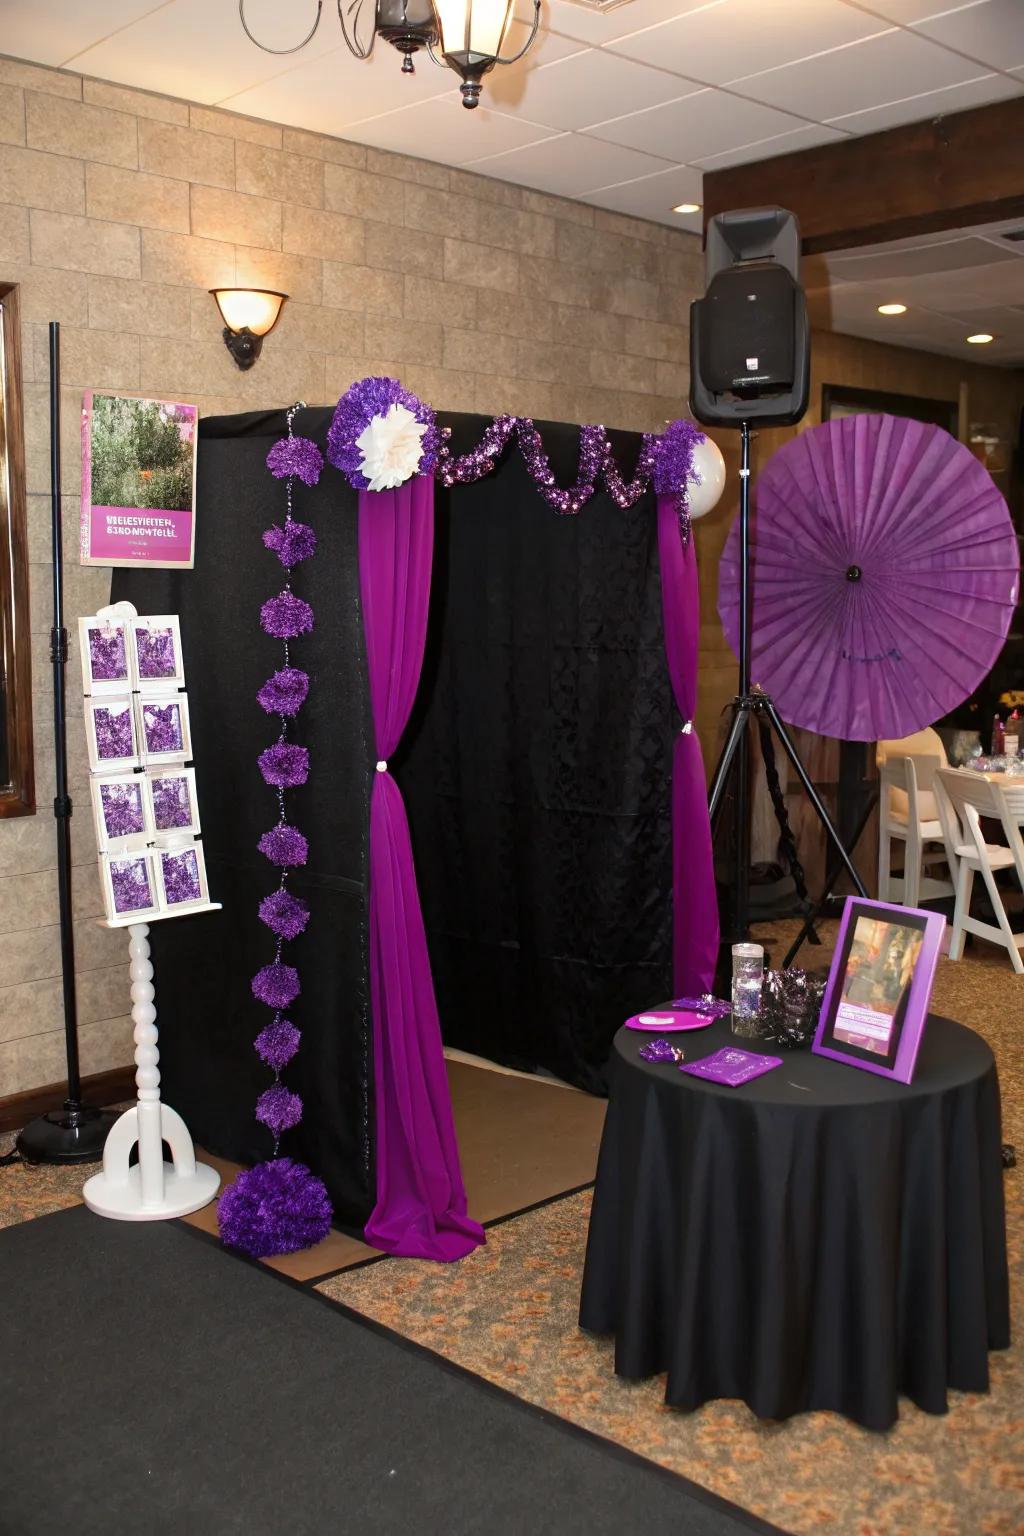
(931, 926)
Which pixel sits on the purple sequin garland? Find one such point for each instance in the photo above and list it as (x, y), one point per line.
(108, 662)
(129, 879)
(122, 809)
(162, 725)
(155, 650)
(181, 877)
(357, 407)
(280, 1206)
(114, 734)
(172, 804)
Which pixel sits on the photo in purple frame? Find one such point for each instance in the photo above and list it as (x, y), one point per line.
(173, 801)
(182, 876)
(108, 653)
(157, 650)
(112, 730)
(121, 807)
(131, 884)
(163, 723)
(879, 985)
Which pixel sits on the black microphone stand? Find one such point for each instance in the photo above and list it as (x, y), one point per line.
(76, 1132)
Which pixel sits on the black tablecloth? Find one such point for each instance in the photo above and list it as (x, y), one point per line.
(817, 1238)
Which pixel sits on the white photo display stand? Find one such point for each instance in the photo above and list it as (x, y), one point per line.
(152, 1190)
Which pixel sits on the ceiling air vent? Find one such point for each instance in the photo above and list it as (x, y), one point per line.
(1016, 235)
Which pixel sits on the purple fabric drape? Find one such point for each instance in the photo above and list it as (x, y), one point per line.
(421, 1201)
(694, 900)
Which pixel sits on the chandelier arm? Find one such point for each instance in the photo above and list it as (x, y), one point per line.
(308, 37)
(536, 24)
(355, 47)
(439, 62)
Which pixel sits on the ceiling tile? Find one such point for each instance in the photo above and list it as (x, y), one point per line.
(992, 32)
(863, 75)
(918, 109)
(906, 12)
(53, 33)
(778, 144)
(654, 197)
(912, 261)
(329, 93)
(575, 92)
(571, 165)
(706, 123)
(443, 130)
(196, 49)
(591, 27)
(737, 37)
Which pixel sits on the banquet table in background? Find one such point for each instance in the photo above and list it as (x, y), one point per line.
(818, 1238)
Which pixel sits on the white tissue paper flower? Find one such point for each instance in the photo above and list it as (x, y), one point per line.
(392, 446)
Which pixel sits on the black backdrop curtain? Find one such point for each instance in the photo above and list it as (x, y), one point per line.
(536, 772)
(537, 766)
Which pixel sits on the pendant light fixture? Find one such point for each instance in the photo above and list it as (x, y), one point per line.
(470, 34)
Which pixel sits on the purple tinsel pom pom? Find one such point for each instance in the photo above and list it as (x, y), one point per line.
(296, 456)
(673, 457)
(286, 616)
(284, 914)
(278, 1109)
(277, 1044)
(292, 543)
(276, 985)
(284, 845)
(355, 410)
(276, 1207)
(284, 765)
(285, 692)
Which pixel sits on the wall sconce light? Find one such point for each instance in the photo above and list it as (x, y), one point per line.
(249, 314)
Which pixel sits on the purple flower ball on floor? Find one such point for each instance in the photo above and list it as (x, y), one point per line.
(277, 1044)
(279, 1109)
(276, 985)
(291, 544)
(285, 846)
(277, 1207)
(296, 456)
(284, 914)
(284, 765)
(286, 616)
(285, 692)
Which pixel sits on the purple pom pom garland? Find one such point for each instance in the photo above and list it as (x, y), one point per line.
(280, 1206)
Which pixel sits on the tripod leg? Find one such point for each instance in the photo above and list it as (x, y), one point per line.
(831, 876)
(785, 830)
(812, 795)
(718, 783)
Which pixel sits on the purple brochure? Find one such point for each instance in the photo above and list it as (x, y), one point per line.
(731, 1066)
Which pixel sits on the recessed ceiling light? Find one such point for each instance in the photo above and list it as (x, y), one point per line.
(980, 338)
(686, 208)
(892, 309)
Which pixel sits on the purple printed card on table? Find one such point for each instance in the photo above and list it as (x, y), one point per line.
(111, 733)
(163, 726)
(156, 651)
(106, 662)
(731, 1067)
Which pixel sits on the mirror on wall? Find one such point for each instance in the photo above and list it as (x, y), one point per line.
(17, 785)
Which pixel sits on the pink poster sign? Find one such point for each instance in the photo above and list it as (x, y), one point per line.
(138, 481)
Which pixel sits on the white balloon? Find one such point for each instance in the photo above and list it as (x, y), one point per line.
(709, 464)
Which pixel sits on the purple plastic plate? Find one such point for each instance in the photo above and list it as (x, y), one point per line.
(667, 1019)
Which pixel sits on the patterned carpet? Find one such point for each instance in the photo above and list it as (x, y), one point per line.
(508, 1312)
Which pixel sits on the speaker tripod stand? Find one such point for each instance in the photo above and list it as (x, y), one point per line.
(751, 703)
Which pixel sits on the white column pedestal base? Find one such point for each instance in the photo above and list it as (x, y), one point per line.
(153, 1190)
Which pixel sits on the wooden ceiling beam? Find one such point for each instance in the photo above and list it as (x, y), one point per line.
(946, 173)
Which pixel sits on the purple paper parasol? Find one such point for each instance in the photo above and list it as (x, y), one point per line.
(884, 576)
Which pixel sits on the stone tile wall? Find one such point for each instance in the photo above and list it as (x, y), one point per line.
(118, 210)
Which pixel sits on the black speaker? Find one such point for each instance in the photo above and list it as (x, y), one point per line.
(749, 336)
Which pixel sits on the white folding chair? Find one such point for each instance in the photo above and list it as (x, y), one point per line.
(907, 813)
(963, 799)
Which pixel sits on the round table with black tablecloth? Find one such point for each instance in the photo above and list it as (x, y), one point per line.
(818, 1238)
